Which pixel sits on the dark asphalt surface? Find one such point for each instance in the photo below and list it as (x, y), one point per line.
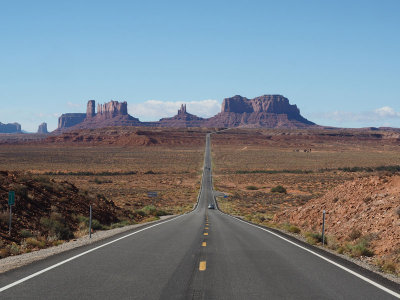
(162, 262)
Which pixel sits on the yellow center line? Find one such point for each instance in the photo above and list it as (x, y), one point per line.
(202, 266)
(205, 233)
(204, 244)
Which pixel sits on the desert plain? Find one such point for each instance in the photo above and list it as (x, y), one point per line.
(270, 177)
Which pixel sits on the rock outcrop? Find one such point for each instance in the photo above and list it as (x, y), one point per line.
(42, 128)
(182, 119)
(268, 111)
(10, 128)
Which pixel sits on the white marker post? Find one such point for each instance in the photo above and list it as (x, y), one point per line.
(323, 227)
(90, 221)
(11, 202)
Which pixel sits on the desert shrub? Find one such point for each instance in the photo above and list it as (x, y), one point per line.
(354, 234)
(56, 225)
(49, 186)
(258, 218)
(99, 181)
(25, 233)
(332, 242)
(389, 267)
(58, 243)
(150, 210)
(278, 189)
(336, 199)
(367, 199)
(120, 224)
(360, 249)
(21, 191)
(42, 179)
(96, 225)
(291, 228)
(341, 250)
(31, 241)
(141, 213)
(251, 188)
(4, 252)
(313, 238)
(294, 229)
(14, 249)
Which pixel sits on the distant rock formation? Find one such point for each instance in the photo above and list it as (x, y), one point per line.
(112, 109)
(268, 111)
(113, 113)
(42, 128)
(182, 119)
(91, 109)
(70, 120)
(10, 128)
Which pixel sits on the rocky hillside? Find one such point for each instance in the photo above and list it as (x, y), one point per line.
(47, 212)
(360, 213)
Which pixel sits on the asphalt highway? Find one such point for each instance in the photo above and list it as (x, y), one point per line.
(204, 254)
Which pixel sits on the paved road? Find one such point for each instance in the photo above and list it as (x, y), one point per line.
(201, 255)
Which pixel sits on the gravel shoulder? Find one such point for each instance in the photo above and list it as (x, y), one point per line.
(13, 262)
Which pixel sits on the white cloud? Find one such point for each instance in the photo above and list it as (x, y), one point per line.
(387, 112)
(383, 116)
(153, 110)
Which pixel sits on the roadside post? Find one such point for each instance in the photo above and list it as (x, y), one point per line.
(323, 227)
(11, 202)
(90, 221)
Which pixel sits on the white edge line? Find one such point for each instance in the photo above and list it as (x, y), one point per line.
(393, 293)
(81, 254)
(98, 247)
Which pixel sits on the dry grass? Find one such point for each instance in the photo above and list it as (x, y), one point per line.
(173, 172)
(243, 158)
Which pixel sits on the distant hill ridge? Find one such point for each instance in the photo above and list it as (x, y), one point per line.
(267, 111)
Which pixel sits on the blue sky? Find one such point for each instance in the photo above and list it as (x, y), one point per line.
(337, 60)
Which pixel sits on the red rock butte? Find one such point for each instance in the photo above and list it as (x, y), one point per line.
(268, 111)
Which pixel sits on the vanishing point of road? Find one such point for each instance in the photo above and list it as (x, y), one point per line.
(204, 254)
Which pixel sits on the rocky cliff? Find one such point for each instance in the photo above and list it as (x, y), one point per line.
(268, 111)
(10, 128)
